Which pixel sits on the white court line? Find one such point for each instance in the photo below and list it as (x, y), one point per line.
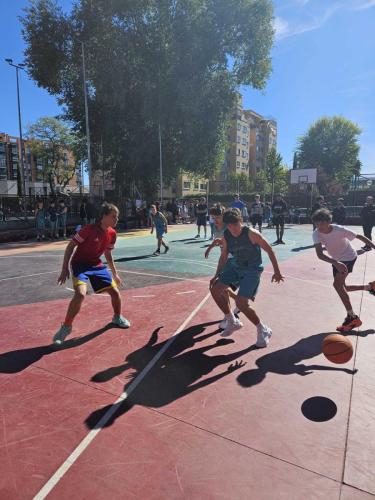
(188, 291)
(77, 452)
(27, 275)
(142, 296)
(34, 256)
(71, 289)
(161, 276)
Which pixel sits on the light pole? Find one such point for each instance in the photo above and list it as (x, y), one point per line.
(22, 169)
(88, 143)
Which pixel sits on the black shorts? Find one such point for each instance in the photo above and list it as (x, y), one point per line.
(278, 220)
(349, 264)
(201, 220)
(256, 219)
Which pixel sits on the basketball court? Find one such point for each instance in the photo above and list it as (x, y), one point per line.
(169, 408)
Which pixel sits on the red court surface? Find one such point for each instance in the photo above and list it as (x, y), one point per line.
(169, 409)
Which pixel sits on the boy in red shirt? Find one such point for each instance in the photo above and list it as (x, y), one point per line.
(87, 246)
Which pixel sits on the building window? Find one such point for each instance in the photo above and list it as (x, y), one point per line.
(196, 185)
(238, 152)
(244, 129)
(186, 185)
(238, 139)
(238, 164)
(203, 187)
(238, 126)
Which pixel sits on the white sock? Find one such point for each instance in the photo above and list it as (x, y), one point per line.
(350, 312)
(260, 325)
(230, 316)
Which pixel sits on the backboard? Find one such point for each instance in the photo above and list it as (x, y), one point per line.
(303, 175)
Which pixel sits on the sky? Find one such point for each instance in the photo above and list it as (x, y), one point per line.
(323, 65)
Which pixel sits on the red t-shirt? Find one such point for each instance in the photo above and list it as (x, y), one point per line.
(92, 241)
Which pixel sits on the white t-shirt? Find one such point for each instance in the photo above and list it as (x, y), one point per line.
(337, 242)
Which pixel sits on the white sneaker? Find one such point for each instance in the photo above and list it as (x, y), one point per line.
(236, 312)
(223, 324)
(231, 327)
(264, 335)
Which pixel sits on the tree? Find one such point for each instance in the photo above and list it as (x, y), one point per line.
(295, 161)
(240, 183)
(151, 63)
(331, 146)
(273, 168)
(53, 142)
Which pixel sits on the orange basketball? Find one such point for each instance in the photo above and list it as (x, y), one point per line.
(337, 348)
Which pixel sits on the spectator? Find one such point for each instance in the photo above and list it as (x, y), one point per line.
(319, 203)
(174, 210)
(339, 212)
(279, 210)
(267, 214)
(52, 217)
(91, 212)
(237, 203)
(40, 220)
(62, 213)
(256, 212)
(368, 219)
(201, 211)
(83, 211)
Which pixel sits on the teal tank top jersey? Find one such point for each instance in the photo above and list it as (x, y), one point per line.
(245, 253)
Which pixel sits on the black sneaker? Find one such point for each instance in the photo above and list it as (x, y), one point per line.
(282, 242)
(157, 252)
(349, 324)
(166, 249)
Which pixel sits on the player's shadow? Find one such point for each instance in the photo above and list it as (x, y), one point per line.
(299, 249)
(177, 373)
(194, 241)
(185, 239)
(19, 360)
(287, 361)
(137, 257)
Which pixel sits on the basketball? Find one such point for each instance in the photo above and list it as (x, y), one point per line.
(337, 348)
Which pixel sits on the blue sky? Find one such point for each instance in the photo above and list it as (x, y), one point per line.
(323, 65)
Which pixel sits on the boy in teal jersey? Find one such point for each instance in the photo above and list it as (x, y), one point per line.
(243, 270)
(159, 222)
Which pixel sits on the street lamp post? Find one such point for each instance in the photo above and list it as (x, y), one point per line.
(88, 142)
(22, 169)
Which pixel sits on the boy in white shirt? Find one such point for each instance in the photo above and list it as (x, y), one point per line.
(336, 240)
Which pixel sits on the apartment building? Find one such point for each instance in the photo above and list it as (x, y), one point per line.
(186, 185)
(35, 181)
(262, 138)
(250, 137)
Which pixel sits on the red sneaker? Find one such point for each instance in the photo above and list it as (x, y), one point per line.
(350, 323)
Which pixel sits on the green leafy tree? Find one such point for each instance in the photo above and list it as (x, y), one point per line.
(295, 161)
(151, 63)
(331, 146)
(273, 168)
(54, 144)
(240, 183)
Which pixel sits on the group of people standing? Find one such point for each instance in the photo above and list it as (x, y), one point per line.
(255, 213)
(50, 219)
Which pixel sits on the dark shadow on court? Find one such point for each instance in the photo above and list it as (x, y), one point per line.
(137, 257)
(287, 361)
(299, 249)
(177, 373)
(185, 239)
(17, 361)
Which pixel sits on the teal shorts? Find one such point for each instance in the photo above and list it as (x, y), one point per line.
(247, 280)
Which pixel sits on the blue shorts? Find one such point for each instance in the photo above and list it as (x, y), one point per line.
(160, 231)
(99, 277)
(247, 280)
